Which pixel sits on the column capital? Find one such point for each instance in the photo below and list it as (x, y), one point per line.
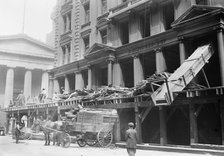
(180, 38)
(111, 58)
(11, 66)
(29, 68)
(89, 66)
(219, 28)
(158, 50)
(135, 56)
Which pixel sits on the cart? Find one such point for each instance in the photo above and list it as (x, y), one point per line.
(91, 126)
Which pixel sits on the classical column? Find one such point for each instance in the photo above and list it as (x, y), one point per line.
(79, 82)
(182, 51)
(160, 67)
(27, 83)
(67, 87)
(221, 52)
(51, 86)
(56, 85)
(89, 77)
(9, 85)
(160, 61)
(110, 70)
(45, 81)
(138, 70)
(117, 75)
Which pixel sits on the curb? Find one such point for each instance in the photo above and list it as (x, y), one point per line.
(178, 149)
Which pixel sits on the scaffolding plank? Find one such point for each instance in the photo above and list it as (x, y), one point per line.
(182, 76)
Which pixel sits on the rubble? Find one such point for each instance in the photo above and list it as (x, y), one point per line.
(145, 87)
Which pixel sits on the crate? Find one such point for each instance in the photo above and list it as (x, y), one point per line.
(90, 117)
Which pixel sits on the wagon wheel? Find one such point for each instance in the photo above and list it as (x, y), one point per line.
(65, 140)
(105, 137)
(81, 142)
(91, 142)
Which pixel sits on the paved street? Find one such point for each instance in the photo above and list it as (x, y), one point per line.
(8, 147)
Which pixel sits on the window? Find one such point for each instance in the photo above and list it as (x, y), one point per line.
(201, 2)
(168, 15)
(69, 24)
(63, 55)
(104, 6)
(69, 52)
(87, 15)
(103, 34)
(145, 24)
(65, 22)
(124, 33)
(86, 42)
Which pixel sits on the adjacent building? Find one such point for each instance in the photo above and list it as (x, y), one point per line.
(25, 63)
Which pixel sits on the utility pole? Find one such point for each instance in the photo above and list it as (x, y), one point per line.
(24, 14)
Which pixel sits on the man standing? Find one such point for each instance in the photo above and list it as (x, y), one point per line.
(131, 139)
(21, 99)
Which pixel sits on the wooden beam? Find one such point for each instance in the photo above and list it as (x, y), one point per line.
(185, 114)
(138, 124)
(193, 125)
(163, 129)
(59, 113)
(171, 113)
(124, 105)
(222, 119)
(198, 110)
(145, 113)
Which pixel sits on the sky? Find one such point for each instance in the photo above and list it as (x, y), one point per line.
(37, 17)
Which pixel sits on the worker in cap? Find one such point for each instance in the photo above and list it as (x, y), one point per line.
(131, 139)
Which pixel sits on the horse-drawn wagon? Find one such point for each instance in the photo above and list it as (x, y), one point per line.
(90, 126)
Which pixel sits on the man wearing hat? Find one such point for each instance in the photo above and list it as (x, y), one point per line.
(131, 139)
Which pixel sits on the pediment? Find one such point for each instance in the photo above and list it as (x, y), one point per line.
(99, 47)
(24, 45)
(196, 11)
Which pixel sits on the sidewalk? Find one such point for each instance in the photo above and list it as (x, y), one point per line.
(180, 149)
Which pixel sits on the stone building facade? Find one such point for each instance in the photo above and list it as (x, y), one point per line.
(24, 67)
(121, 42)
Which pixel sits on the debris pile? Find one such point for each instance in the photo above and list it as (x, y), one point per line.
(145, 87)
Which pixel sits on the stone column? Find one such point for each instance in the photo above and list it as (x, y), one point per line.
(51, 86)
(118, 75)
(183, 54)
(67, 87)
(110, 70)
(89, 77)
(221, 52)
(27, 83)
(138, 70)
(45, 81)
(160, 67)
(160, 61)
(79, 82)
(9, 85)
(56, 85)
